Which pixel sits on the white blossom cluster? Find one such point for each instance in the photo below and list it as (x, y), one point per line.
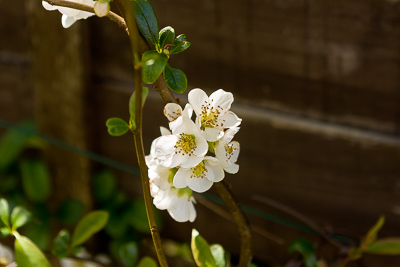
(179, 162)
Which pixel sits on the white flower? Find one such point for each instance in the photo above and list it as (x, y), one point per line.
(227, 152)
(71, 15)
(185, 148)
(201, 177)
(213, 115)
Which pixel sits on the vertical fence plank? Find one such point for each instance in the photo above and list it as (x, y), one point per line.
(59, 81)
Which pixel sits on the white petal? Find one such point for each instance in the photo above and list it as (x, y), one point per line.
(165, 131)
(213, 134)
(67, 21)
(49, 7)
(236, 149)
(199, 185)
(221, 100)
(229, 134)
(172, 111)
(184, 125)
(232, 168)
(221, 154)
(192, 210)
(214, 167)
(188, 111)
(191, 161)
(164, 150)
(70, 12)
(197, 98)
(180, 178)
(229, 120)
(83, 15)
(180, 210)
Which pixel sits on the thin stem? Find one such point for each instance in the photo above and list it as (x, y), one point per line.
(241, 221)
(128, 7)
(111, 15)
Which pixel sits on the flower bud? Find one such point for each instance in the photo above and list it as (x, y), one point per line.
(101, 8)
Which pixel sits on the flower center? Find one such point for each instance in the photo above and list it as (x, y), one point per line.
(209, 117)
(199, 171)
(186, 144)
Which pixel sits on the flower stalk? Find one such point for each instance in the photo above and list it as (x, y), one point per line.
(137, 133)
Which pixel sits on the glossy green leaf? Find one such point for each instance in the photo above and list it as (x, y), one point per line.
(104, 185)
(88, 226)
(179, 44)
(146, 20)
(306, 249)
(39, 232)
(27, 254)
(117, 126)
(147, 262)
(4, 231)
(370, 237)
(385, 246)
(70, 211)
(153, 64)
(35, 179)
(166, 36)
(219, 255)
(132, 104)
(201, 251)
(4, 212)
(61, 244)
(128, 254)
(19, 217)
(175, 79)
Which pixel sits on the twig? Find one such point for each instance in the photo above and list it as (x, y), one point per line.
(299, 216)
(128, 7)
(111, 15)
(241, 221)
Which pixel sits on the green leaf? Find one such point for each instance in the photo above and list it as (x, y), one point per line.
(175, 79)
(147, 262)
(104, 185)
(153, 64)
(201, 251)
(370, 237)
(117, 126)
(306, 249)
(166, 36)
(117, 226)
(4, 212)
(61, 244)
(146, 20)
(19, 217)
(128, 254)
(179, 45)
(27, 254)
(13, 142)
(70, 211)
(219, 255)
(88, 226)
(132, 104)
(35, 179)
(385, 246)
